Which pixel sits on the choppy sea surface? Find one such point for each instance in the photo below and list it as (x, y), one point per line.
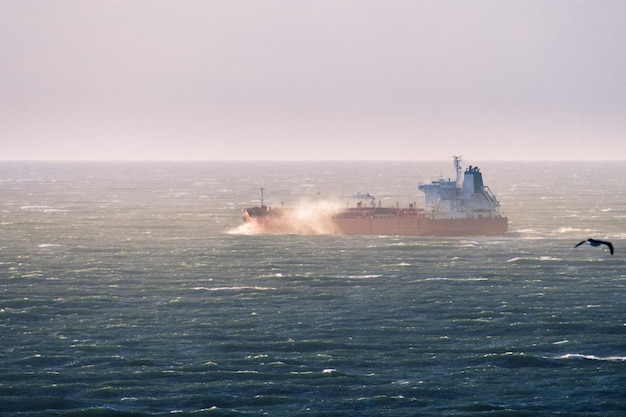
(131, 289)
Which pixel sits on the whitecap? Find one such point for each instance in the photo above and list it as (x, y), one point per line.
(580, 356)
(456, 279)
(35, 208)
(564, 230)
(367, 276)
(533, 259)
(234, 288)
(243, 229)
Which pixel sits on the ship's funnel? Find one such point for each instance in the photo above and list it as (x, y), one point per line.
(472, 181)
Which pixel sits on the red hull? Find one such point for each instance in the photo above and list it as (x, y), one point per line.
(422, 226)
(397, 225)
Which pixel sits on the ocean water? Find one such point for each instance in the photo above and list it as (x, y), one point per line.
(131, 289)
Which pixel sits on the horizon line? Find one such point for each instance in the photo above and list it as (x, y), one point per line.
(310, 160)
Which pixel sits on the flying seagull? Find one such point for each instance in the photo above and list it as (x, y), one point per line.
(595, 242)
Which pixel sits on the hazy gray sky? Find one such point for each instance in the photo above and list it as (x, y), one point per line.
(319, 79)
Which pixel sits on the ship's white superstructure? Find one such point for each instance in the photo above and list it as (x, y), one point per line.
(464, 198)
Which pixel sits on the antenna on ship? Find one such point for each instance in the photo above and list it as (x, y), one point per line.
(457, 167)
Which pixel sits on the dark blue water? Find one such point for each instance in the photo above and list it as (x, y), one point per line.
(128, 289)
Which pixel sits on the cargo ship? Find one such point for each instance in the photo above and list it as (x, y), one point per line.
(461, 207)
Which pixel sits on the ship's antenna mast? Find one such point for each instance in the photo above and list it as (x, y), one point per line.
(457, 167)
(262, 200)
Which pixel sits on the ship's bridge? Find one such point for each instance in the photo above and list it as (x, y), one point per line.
(467, 197)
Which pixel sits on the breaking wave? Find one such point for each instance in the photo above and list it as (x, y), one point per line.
(593, 357)
(305, 218)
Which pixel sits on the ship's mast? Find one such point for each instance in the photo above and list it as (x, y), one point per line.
(457, 168)
(262, 200)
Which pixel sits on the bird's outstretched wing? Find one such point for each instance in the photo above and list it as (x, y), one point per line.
(577, 245)
(609, 244)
